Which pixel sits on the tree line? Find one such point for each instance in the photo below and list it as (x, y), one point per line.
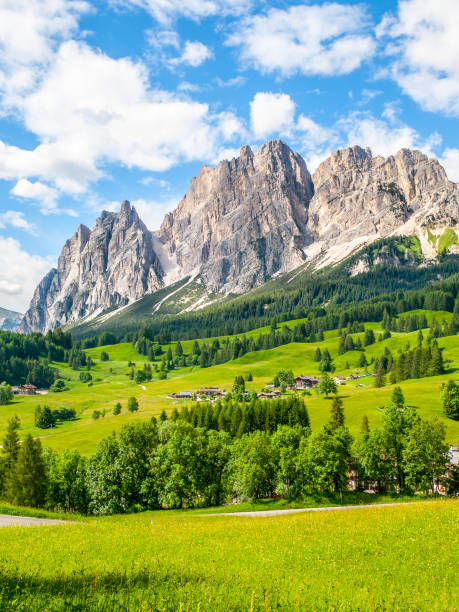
(174, 464)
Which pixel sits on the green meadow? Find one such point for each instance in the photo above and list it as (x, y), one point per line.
(401, 557)
(111, 383)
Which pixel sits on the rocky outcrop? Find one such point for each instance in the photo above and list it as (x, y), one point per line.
(359, 198)
(9, 319)
(107, 267)
(245, 221)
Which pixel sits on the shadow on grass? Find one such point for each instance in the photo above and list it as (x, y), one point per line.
(80, 590)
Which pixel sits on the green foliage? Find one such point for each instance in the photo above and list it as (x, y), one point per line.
(397, 397)
(27, 484)
(58, 386)
(336, 414)
(116, 408)
(251, 469)
(132, 404)
(450, 399)
(104, 356)
(326, 385)
(6, 394)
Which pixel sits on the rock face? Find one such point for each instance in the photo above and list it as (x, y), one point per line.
(359, 198)
(9, 319)
(107, 267)
(245, 221)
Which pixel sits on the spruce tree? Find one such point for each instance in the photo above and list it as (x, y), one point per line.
(336, 414)
(27, 484)
(450, 397)
(397, 397)
(317, 354)
(9, 452)
(380, 379)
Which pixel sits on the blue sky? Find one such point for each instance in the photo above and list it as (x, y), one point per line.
(107, 100)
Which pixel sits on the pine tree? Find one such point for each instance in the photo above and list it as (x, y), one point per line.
(450, 397)
(27, 485)
(133, 404)
(163, 416)
(336, 414)
(178, 349)
(317, 354)
(397, 397)
(436, 364)
(9, 452)
(380, 379)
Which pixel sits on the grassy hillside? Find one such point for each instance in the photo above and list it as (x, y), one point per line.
(397, 557)
(111, 383)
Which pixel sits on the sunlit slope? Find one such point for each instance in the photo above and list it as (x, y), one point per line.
(112, 383)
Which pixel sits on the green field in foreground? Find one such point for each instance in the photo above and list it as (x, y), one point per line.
(402, 557)
(112, 383)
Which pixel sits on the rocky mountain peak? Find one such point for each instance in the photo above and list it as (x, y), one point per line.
(251, 217)
(243, 221)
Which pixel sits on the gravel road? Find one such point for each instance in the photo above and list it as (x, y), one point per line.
(7, 520)
(297, 510)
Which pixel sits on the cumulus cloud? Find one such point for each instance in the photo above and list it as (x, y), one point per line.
(194, 54)
(450, 161)
(30, 31)
(152, 212)
(15, 218)
(423, 40)
(20, 273)
(327, 39)
(46, 196)
(271, 113)
(90, 109)
(165, 11)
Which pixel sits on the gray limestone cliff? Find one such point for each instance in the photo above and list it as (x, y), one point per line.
(111, 265)
(245, 221)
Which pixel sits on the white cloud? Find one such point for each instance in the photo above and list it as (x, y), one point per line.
(320, 39)
(383, 137)
(450, 161)
(152, 212)
(15, 218)
(271, 113)
(233, 82)
(424, 43)
(46, 196)
(90, 109)
(166, 10)
(194, 54)
(30, 31)
(20, 273)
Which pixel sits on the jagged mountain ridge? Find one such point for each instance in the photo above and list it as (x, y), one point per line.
(245, 221)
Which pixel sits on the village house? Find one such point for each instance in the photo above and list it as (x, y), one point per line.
(181, 395)
(306, 382)
(208, 391)
(25, 390)
(440, 485)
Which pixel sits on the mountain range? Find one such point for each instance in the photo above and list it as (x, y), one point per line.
(244, 222)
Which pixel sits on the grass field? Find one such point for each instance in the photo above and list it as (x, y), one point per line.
(111, 384)
(392, 558)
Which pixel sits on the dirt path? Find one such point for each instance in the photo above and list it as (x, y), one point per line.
(8, 520)
(297, 510)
